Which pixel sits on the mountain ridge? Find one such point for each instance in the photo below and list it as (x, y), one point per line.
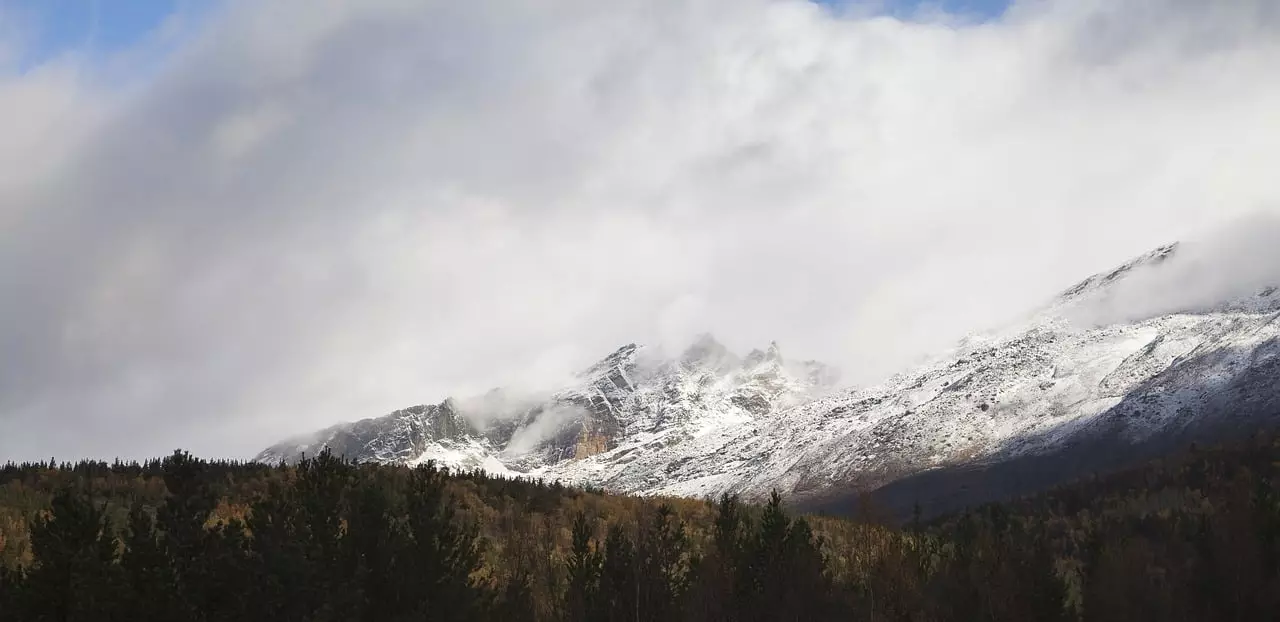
(623, 394)
(1071, 374)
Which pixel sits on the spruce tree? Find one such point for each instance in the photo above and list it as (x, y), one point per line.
(583, 568)
(150, 590)
(444, 552)
(619, 584)
(721, 587)
(784, 569)
(664, 563)
(371, 547)
(11, 590)
(74, 574)
(319, 494)
(278, 561)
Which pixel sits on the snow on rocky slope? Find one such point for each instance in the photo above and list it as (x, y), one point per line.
(709, 422)
(407, 436)
(632, 399)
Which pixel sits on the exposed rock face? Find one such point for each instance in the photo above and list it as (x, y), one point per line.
(400, 436)
(589, 445)
(623, 398)
(1040, 395)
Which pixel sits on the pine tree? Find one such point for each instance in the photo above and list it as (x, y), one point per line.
(319, 494)
(444, 550)
(186, 542)
(619, 585)
(784, 570)
(11, 589)
(664, 563)
(370, 551)
(228, 563)
(278, 561)
(719, 593)
(583, 568)
(74, 576)
(149, 588)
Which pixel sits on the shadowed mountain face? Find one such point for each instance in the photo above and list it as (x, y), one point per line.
(1245, 404)
(1204, 376)
(1083, 384)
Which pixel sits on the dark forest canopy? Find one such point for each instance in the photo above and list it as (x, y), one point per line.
(1192, 537)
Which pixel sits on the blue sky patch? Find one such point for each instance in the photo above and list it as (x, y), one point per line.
(981, 10)
(49, 28)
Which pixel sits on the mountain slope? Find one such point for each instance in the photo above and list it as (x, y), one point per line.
(631, 399)
(411, 435)
(1076, 374)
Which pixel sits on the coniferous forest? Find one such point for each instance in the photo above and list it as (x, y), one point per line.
(1195, 536)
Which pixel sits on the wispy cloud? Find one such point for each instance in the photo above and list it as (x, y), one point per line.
(324, 211)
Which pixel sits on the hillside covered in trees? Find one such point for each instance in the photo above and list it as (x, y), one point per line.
(1191, 537)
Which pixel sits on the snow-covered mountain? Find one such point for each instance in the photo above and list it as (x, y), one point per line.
(1077, 374)
(408, 436)
(631, 399)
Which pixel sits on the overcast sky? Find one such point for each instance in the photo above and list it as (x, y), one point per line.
(264, 217)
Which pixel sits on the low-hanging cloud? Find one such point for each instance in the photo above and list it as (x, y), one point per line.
(312, 212)
(555, 419)
(1234, 267)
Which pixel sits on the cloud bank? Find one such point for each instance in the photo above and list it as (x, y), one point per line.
(1231, 267)
(302, 212)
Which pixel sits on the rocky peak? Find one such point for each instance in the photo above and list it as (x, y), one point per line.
(614, 402)
(1102, 280)
(623, 358)
(707, 353)
(1033, 389)
(820, 374)
(774, 353)
(395, 437)
(772, 356)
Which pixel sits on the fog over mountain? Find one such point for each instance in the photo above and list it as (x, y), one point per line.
(265, 218)
(1222, 264)
(1061, 393)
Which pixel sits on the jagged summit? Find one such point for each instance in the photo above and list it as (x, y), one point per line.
(622, 357)
(621, 399)
(402, 436)
(759, 357)
(1044, 385)
(708, 422)
(706, 351)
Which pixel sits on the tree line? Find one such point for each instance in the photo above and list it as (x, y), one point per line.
(1193, 537)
